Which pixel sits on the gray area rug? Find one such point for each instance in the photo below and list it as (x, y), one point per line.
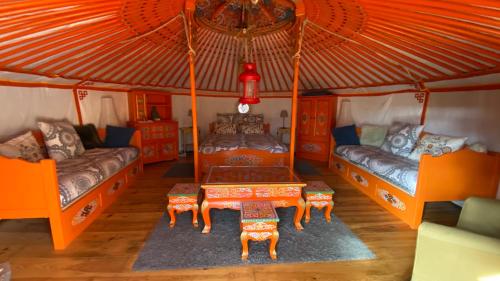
(186, 247)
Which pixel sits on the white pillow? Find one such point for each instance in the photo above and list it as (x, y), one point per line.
(436, 145)
(28, 147)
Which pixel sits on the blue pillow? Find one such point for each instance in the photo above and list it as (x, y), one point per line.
(118, 136)
(345, 135)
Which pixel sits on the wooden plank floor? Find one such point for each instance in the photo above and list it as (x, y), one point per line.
(109, 247)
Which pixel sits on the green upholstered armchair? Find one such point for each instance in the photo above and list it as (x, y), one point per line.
(470, 251)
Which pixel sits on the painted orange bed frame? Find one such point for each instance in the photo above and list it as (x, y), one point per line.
(30, 190)
(242, 157)
(453, 176)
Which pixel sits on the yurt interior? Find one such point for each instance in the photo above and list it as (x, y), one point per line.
(250, 140)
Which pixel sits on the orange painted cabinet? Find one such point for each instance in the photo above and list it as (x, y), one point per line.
(141, 103)
(316, 116)
(159, 140)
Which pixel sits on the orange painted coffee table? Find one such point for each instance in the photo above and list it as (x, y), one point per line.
(227, 186)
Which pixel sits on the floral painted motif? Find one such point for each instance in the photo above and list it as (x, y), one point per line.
(311, 147)
(258, 211)
(185, 189)
(84, 212)
(259, 236)
(339, 166)
(243, 160)
(360, 179)
(119, 183)
(436, 145)
(259, 226)
(319, 204)
(392, 199)
(317, 187)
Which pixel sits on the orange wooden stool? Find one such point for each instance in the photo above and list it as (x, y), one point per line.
(318, 194)
(183, 197)
(259, 222)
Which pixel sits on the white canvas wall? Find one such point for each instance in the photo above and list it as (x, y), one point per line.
(383, 110)
(21, 107)
(475, 115)
(90, 106)
(208, 107)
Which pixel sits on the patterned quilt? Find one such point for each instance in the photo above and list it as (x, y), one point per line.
(398, 170)
(79, 175)
(215, 143)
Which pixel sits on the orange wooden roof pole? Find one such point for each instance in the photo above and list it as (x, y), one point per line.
(300, 15)
(189, 10)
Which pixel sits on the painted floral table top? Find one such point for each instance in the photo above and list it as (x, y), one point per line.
(184, 189)
(251, 175)
(258, 211)
(318, 187)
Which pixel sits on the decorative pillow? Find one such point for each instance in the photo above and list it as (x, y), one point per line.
(252, 129)
(118, 136)
(401, 139)
(225, 117)
(10, 151)
(89, 136)
(61, 140)
(28, 147)
(225, 129)
(373, 135)
(478, 147)
(345, 135)
(436, 146)
(253, 118)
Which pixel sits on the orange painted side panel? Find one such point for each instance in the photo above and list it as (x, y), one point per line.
(458, 175)
(21, 189)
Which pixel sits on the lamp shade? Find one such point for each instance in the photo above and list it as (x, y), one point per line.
(284, 114)
(108, 115)
(345, 115)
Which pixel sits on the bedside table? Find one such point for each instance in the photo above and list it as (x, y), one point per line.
(185, 133)
(281, 132)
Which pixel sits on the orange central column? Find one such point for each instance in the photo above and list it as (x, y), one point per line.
(295, 89)
(194, 116)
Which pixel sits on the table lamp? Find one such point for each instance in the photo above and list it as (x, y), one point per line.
(284, 114)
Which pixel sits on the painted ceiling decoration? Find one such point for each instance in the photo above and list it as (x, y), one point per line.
(346, 43)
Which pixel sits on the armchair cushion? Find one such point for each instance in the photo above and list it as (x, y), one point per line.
(451, 254)
(482, 216)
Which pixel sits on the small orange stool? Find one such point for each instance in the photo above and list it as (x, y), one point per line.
(318, 194)
(259, 222)
(183, 197)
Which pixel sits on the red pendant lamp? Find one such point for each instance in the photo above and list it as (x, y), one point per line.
(249, 80)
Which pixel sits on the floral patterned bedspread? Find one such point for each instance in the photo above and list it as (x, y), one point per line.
(398, 170)
(215, 143)
(79, 175)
